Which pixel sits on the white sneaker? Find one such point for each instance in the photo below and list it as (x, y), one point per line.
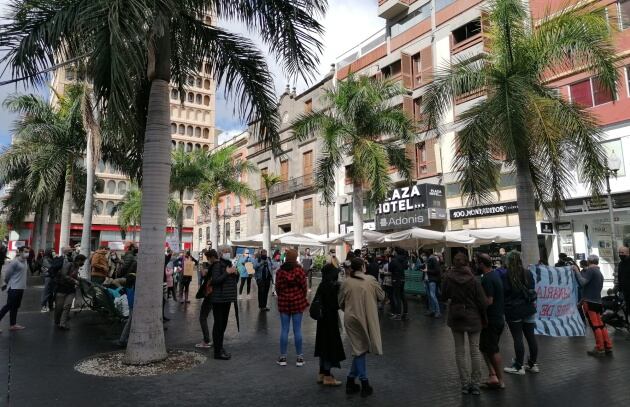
(514, 370)
(533, 368)
(240, 297)
(300, 361)
(44, 309)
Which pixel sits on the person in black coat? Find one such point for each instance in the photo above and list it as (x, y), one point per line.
(224, 279)
(397, 266)
(328, 344)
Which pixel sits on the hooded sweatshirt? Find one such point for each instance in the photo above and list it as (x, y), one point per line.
(467, 300)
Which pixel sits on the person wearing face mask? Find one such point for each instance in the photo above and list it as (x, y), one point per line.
(67, 282)
(15, 280)
(623, 277)
(263, 269)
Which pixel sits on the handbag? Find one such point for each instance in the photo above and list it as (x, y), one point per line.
(316, 311)
(205, 289)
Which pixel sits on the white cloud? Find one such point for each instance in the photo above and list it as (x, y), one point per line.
(347, 23)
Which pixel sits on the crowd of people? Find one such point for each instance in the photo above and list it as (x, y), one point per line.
(479, 297)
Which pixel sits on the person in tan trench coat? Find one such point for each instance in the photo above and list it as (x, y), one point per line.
(358, 298)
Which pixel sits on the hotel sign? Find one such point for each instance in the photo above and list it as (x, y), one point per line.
(413, 206)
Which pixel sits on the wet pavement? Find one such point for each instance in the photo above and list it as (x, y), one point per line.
(417, 368)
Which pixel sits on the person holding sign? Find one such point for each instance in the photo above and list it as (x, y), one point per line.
(592, 282)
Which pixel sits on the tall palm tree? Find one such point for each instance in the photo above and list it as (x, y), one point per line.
(48, 140)
(127, 43)
(222, 174)
(522, 122)
(129, 210)
(185, 175)
(268, 180)
(360, 122)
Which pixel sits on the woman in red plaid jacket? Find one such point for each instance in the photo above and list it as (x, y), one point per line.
(291, 288)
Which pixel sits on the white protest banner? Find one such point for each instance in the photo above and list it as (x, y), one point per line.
(557, 291)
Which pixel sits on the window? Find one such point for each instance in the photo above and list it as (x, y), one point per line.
(307, 160)
(109, 207)
(189, 147)
(348, 174)
(237, 229)
(197, 132)
(425, 159)
(206, 100)
(392, 70)
(111, 187)
(206, 133)
(189, 131)
(624, 13)
(181, 129)
(173, 128)
(101, 166)
(174, 94)
(199, 82)
(228, 202)
(284, 170)
(263, 171)
(190, 81)
(122, 188)
(507, 180)
(417, 109)
(308, 212)
(207, 233)
(589, 93)
(200, 235)
(346, 213)
(308, 106)
(466, 31)
(453, 190)
(188, 195)
(206, 84)
(227, 231)
(191, 97)
(411, 19)
(98, 208)
(285, 117)
(189, 212)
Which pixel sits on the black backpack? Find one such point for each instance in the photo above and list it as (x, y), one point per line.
(55, 267)
(316, 311)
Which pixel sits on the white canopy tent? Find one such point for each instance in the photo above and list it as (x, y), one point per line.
(370, 238)
(289, 239)
(491, 235)
(423, 237)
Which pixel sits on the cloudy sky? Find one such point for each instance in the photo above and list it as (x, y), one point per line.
(347, 23)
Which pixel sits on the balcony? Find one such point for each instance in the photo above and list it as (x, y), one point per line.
(289, 187)
(391, 8)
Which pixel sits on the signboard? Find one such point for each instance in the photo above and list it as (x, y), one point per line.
(546, 228)
(503, 208)
(556, 302)
(366, 226)
(414, 206)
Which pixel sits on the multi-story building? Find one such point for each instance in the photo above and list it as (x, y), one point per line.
(232, 213)
(295, 203)
(192, 128)
(420, 35)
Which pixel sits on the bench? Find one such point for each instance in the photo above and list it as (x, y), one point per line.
(96, 298)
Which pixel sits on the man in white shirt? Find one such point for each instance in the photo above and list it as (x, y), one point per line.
(15, 281)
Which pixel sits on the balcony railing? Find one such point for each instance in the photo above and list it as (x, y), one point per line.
(392, 8)
(292, 186)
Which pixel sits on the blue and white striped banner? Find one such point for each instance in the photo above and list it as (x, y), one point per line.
(557, 313)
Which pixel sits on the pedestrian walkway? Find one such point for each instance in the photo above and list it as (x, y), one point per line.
(418, 367)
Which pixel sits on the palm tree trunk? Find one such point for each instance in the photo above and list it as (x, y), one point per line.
(357, 214)
(267, 228)
(86, 233)
(52, 222)
(180, 221)
(214, 226)
(146, 340)
(66, 209)
(36, 231)
(44, 226)
(526, 213)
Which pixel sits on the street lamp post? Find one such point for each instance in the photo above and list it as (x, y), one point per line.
(613, 165)
(226, 214)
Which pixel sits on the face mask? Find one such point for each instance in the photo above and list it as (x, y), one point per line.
(226, 256)
(263, 256)
(25, 255)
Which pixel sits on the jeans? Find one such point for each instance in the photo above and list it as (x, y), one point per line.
(324, 366)
(184, 288)
(310, 278)
(14, 300)
(124, 335)
(434, 304)
(63, 303)
(359, 367)
(249, 284)
(48, 295)
(399, 301)
(474, 377)
(220, 312)
(206, 306)
(263, 292)
(285, 321)
(518, 329)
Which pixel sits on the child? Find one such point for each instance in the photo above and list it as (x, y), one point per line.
(170, 288)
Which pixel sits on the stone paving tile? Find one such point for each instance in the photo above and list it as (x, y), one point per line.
(418, 367)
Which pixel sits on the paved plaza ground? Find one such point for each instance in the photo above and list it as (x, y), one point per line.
(417, 369)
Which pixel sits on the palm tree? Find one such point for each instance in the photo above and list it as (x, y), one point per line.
(125, 44)
(129, 210)
(185, 175)
(360, 122)
(221, 175)
(522, 123)
(48, 140)
(269, 180)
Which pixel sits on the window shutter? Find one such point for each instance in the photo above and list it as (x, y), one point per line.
(485, 30)
(408, 106)
(426, 61)
(613, 15)
(407, 71)
(431, 156)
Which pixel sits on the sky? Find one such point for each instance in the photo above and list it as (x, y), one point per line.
(347, 23)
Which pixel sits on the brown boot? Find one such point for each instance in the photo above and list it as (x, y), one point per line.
(320, 378)
(331, 381)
